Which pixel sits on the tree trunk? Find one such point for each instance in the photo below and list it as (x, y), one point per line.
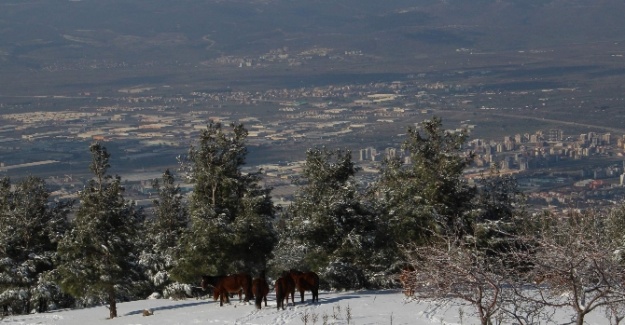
(112, 303)
(26, 307)
(43, 305)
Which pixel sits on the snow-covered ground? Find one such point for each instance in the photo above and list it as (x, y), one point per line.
(366, 307)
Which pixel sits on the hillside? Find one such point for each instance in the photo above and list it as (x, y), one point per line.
(97, 45)
(365, 307)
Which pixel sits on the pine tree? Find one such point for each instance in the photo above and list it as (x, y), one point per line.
(254, 235)
(230, 228)
(30, 227)
(99, 255)
(164, 231)
(498, 198)
(498, 208)
(331, 230)
(429, 195)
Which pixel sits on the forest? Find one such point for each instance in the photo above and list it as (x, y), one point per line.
(421, 226)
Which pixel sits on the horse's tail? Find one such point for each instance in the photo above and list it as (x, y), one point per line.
(279, 293)
(315, 290)
(315, 277)
(257, 289)
(248, 287)
(215, 293)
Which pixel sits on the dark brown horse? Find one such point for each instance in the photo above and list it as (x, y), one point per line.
(284, 286)
(216, 294)
(225, 284)
(306, 281)
(260, 288)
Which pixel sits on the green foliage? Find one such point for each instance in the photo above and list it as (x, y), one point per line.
(498, 214)
(228, 223)
(164, 231)
(30, 227)
(429, 195)
(498, 198)
(99, 255)
(171, 216)
(230, 213)
(216, 171)
(327, 205)
(328, 228)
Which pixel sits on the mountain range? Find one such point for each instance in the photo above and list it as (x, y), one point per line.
(396, 35)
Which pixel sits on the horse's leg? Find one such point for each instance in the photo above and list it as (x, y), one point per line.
(301, 293)
(224, 296)
(249, 293)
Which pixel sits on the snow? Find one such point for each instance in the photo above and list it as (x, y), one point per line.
(365, 308)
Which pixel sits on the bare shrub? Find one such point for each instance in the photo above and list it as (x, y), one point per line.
(457, 272)
(574, 265)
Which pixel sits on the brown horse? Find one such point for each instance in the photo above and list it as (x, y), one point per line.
(260, 288)
(306, 281)
(230, 294)
(225, 284)
(284, 286)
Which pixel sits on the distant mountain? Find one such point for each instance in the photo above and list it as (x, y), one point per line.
(238, 26)
(42, 34)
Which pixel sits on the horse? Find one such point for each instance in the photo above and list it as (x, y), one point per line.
(306, 281)
(260, 288)
(284, 286)
(226, 284)
(230, 294)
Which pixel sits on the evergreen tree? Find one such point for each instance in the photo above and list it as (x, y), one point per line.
(615, 230)
(254, 236)
(99, 255)
(328, 228)
(498, 198)
(429, 195)
(164, 231)
(30, 228)
(498, 213)
(230, 214)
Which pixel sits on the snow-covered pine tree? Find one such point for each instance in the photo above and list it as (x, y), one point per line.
(328, 228)
(429, 195)
(254, 236)
(229, 212)
(164, 231)
(30, 227)
(99, 255)
(498, 197)
(498, 210)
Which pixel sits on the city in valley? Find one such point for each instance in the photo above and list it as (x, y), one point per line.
(559, 165)
(538, 90)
